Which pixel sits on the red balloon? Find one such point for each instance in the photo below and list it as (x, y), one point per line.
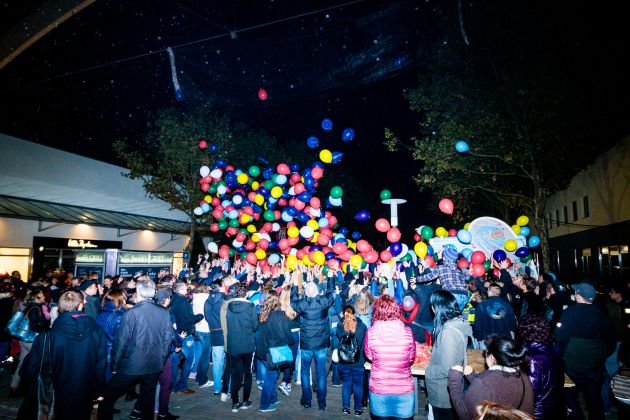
(224, 251)
(339, 248)
(430, 261)
(214, 227)
(478, 270)
(263, 244)
(417, 238)
(382, 225)
(478, 257)
(323, 239)
(240, 237)
(315, 203)
(508, 261)
(452, 232)
(363, 246)
(371, 257)
(299, 205)
(463, 263)
(283, 169)
(317, 172)
(299, 188)
(393, 235)
(203, 145)
(346, 255)
(294, 241)
(332, 264)
(386, 255)
(262, 94)
(216, 202)
(496, 272)
(300, 254)
(205, 187)
(251, 258)
(231, 231)
(446, 206)
(283, 244)
(250, 245)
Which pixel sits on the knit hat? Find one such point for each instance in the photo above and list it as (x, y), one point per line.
(85, 285)
(450, 254)
(585, 290)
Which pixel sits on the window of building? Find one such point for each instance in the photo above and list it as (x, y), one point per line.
(575, 212)
(565, 212)
(557, 218)
(585, 206)
(549, 221)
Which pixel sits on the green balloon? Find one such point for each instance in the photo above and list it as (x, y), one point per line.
(243, 255)
(268, 185)
(212, 189)
(269, 215)
(325, 270)
(526, 259)
(487, 265)
(234, 223)
(386, 195)
(254, 170)
(243, 230)
(336, 192)
(426, 232)
(231, 252)
(223, 225)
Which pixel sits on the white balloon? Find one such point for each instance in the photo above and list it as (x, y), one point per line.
(306, 232)
(198, 211)
(237, 244)
(315, 212)
(237, 199)
(293, 252)
(405, 250)
(386, 270)
(264, 236)
(275, 227)
(213, 247)
(216, 173)
(204, 171)
(221, 189)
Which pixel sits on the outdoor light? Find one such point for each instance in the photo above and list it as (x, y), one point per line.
(393, 205)
(605, 250)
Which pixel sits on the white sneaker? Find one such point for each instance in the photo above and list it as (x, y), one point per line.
(207, 384)
(283, 387)
(192, 375)
(224, 397)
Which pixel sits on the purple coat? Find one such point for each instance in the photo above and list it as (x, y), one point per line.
(547, 376)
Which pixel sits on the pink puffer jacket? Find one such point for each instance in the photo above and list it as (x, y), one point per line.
(390, 347)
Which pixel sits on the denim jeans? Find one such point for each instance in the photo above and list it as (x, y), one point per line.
(204, 357)
(188, 351)
(288, 372)
(334, 367)
(352, 381)
(386, 405)
(269, 395)
(590, 384)
(218, 361)
(261, 371)
(320, 368)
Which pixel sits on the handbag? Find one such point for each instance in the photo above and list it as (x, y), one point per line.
(348, 350)
(279, 356)
(18, 327)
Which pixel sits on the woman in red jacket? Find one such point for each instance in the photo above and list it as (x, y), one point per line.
(389, 345)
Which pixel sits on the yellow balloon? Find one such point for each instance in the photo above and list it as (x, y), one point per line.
(251, 228)
(261, 254)
(355, 261)
(325, 156)
(319, 257)
(312, 224)
(420, 249)
(352, 246)
(307, 261)
(276, 192)
(516, 229)
(467, 225)
(255, 185)
(255, 238)
(245, 218)
(242, 179)
(293, 232)
(292, 262)
(259, 199)
(522, 220)
(441, 232)
(207, 199)
(510, 245)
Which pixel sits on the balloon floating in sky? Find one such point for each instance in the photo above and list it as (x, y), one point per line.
(203, 145)
(362, 216)
(327, 124)
(386, 195)
(533, 241)
(325, 156)
(312, 142)
(213, 148)
(446, 206)
(347, 135)
(262, 94)
(336, 157)
(461, 146)
(179, 95)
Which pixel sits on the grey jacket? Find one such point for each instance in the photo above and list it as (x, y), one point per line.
(448, 351)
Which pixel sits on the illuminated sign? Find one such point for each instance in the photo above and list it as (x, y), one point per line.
(74, 243)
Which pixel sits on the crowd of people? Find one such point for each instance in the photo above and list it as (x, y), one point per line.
(225, 322)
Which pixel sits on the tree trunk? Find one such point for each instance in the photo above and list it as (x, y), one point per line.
(191, 234)
(541, 227)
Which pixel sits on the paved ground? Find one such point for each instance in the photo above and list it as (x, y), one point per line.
(203, 404)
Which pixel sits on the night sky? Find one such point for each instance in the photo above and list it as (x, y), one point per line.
(351, 63)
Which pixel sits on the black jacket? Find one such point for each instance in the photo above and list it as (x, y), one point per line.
(181, 308)
(242, 323)
(37, 321)
(359, 334)
(142, 340)
(75, 353)
(314, 324)
(494, 316)
(423, 294)
(274, 332)
(93, 306)
(586, 337)
(212, 312)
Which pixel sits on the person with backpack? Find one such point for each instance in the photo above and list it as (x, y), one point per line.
(351, 359)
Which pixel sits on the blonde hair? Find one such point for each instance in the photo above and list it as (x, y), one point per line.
(349, 320)
(271, 303)
(365, 299)
(285, 303)
(70, 301)
(487, 410)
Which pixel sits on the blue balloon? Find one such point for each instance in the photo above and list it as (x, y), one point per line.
(395, 248)
(268, 173)
(461, 146)
(292, 211)
(286, 217)
(525, 231)
(205, 207)
(499, 255)
(318, 164)
(467, 252)
(305, 196)
(233, 214)
(464, 236)
(335, 202)
(327, 124)
(312, 142)
(336, 157)
(522, 252)
(344, 231)
(362, 216)
(329, 255)
(356, 236)
(347, 135)
(430, 250)
(294, 167)
(263, 160)
(281, 179)
(303, 217)
(179, 95)
(213, 148)
(220, 163)
(533, 242)
(322, 222)
(309, 183)
(315, 248)
(273, 259)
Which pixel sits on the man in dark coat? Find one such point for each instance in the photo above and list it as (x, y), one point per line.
(92, 299)
(314, 337)
(139, 351)
(212, 312)
(494, 316)
(181, 309)
(73, 353)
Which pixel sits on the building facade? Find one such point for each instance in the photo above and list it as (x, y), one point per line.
(589, 221)
(67, 213)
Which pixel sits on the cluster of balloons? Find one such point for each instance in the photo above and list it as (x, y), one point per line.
(326, 155)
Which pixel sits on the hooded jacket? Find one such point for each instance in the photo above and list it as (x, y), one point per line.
(494, 316)
(74, 353)
(212, 312)
(448, 351)
(109, 321)
(314, 322)
(181, 307)
(390, 347)
(274, 332)
(143, 340)
(547, 377)
(242, 323)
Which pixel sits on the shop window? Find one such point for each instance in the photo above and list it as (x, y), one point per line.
(557, 218)
(15, 259)
(575, 211)
(585, 206)
(549, 221)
